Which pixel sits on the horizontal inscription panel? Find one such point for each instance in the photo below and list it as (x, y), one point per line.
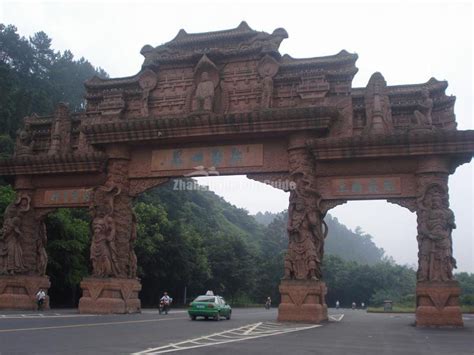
(228, 156)
(65, 197)
(383, 186)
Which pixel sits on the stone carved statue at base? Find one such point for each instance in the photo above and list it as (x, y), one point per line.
(11, 248)
(42, 256)
(305, 228)
(12, 253)
(423, 113)
(103, 249)
(132, 269)
(435, 224)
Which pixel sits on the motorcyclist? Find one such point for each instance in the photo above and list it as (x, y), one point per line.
(165, 303)
(268, 303)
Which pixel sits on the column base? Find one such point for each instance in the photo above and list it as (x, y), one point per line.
(438, 304)
(302, 301)
(19, 291)
(110, 295)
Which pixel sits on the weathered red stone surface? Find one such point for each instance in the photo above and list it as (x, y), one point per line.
(302, 301)
(437, 304)
(19, 291)
(228, 102)
(110, 295)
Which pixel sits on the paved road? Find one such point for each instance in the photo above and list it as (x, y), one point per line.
(250, 331)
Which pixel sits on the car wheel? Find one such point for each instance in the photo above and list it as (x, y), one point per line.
(206, 318)
(217, 316)
(193, 317)
(228, 316)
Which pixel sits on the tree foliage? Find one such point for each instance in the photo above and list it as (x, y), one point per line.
(34, 77)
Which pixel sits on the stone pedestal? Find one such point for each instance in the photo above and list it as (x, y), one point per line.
(19, 291)
(302, 301)
(437, 304)
(110, 295)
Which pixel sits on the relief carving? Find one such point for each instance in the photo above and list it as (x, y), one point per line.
(306, 228)
(267, 68)
(147, 83)
(103, 250)
(11, 251)
(377, 106)
(22, 239)
(435, 225)
(113, 225)
(423, 112)
(24, 141)
(60, 131)
(206, 78)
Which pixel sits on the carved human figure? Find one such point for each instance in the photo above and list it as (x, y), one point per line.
(41, 255)
(423, 113)
(377, 106)
(204, 96)
(267, 91)
(12, 252)
(103, 249)
(435, 224)
(306, 239)
(24, 141)
(132, 269)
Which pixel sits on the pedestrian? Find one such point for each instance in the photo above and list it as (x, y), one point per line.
(165, 303)
(337, 304)
(40, 298)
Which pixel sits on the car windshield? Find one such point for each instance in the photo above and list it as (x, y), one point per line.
(205, 299)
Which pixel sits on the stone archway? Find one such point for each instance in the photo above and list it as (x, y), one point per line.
(229, 102)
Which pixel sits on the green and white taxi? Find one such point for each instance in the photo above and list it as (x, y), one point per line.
(209, 306)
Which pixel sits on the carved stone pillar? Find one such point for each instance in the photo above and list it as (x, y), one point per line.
(302, 291)
(23, 257)
(113, 286)
(437, 293)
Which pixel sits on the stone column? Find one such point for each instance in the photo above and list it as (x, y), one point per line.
(113, 286)
(23, 257)
(302, 291)
(437, 293)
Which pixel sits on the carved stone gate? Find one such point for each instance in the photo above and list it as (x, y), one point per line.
(228, 103)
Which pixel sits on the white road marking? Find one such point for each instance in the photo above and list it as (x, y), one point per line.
(336, 317)
(247, 332)
(30, 316)
(58, 315)
(251, 329)
(87, 325)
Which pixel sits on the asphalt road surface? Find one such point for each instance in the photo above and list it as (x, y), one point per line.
(250, 331)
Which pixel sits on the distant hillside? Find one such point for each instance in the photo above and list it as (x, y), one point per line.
(265, 218)
(341, 241)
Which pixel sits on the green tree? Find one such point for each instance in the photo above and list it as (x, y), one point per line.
(68, 254)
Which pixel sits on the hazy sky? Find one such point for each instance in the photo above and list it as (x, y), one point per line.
(408, 43)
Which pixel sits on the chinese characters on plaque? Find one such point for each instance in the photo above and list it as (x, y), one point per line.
(67, 197)
(366, 186)
(208, 157)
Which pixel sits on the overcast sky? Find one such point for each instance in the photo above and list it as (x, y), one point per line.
(408, 43)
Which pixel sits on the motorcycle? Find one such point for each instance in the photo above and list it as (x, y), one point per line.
(163, 307)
